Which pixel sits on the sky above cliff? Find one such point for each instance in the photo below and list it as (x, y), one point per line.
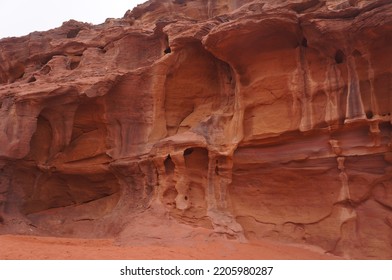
(20, 17)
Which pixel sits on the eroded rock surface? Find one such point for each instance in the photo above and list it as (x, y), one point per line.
(253, 119)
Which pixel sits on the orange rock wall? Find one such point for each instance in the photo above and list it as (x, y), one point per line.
(254, 119)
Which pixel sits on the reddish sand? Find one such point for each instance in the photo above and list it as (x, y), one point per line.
(33, 247)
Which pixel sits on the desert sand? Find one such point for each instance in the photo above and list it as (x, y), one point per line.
(24, 247)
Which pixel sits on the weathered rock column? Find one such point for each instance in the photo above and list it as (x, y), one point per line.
(219, 177)
(181, 181)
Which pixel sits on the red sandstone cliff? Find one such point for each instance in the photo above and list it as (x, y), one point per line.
(251, 119)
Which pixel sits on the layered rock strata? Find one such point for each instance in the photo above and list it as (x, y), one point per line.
(254, 119)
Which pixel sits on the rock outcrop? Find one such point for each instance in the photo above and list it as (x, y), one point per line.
(252, 119)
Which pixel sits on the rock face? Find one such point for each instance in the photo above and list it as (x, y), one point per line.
(251, 119)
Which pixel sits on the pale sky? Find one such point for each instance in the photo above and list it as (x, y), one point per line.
(20, 17)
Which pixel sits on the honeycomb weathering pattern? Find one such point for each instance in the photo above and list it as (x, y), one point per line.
(250, 119)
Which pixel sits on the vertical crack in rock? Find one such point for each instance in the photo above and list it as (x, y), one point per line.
(303, 77)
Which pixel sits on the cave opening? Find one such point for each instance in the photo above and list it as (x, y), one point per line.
(167, 50)
(188, 151)
(190, 88)
(41, 140)
(197, 159)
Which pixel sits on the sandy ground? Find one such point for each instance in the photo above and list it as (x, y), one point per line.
(21, 247)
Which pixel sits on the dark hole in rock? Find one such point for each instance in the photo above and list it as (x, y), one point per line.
(169, 165)
(74, 64)
(44, 60)
(73, 33)
(304, 43)
(339, 57)
(102, 49)
(180, 2)
(167, 50)
(32, 79)
(369, 114)
(185, 197)
(188, 151)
